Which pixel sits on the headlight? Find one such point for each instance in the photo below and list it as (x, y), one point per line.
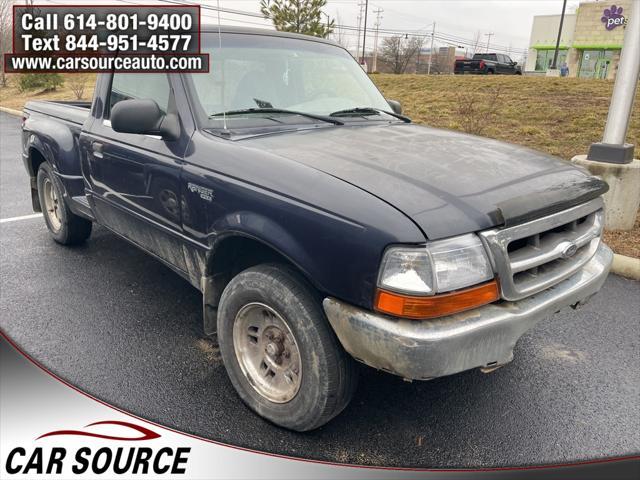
(441, 266)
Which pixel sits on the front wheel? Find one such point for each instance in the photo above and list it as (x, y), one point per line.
(280, 352)
(65, 227)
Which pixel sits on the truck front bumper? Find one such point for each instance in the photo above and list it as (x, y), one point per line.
(483, 337)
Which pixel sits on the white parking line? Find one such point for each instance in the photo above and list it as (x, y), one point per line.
(23, 217)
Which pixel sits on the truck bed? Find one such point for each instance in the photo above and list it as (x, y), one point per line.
(71, 111)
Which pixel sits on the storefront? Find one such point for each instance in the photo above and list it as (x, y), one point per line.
(590, 42)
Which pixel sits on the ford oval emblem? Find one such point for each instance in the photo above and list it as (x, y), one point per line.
(570, 250)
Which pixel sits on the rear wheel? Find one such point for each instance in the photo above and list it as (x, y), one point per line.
(280, 352)
(65, 227)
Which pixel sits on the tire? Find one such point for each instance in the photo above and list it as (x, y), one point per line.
(490, 72)
(327, 375)
(65, 227)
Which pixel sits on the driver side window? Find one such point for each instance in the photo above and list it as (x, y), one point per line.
(127, 86)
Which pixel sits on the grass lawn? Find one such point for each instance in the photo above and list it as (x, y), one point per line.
(560, 116)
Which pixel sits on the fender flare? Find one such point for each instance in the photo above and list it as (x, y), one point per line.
(260, 229)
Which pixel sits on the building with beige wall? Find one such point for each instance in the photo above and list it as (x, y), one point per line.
(590, 43)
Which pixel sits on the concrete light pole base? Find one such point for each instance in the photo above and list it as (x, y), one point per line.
(623, 198)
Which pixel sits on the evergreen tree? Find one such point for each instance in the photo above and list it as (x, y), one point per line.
(299, 16)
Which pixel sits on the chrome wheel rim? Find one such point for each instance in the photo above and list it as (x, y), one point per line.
(267, 352)
(52, 205)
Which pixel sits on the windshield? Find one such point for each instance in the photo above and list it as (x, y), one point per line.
(269, 72)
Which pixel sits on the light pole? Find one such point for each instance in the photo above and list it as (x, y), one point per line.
(555, 54)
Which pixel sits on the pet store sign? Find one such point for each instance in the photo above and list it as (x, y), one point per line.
(612, 17)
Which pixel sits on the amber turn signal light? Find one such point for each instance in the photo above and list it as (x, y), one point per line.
(421, 308)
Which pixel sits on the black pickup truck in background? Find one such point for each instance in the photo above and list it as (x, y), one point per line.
(488, 64)
(319, 223)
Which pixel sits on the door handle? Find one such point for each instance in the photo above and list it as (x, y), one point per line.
(97, 149)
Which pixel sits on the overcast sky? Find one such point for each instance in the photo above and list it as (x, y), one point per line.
(509, 20)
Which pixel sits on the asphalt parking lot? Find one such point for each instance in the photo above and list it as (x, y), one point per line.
(121, 326)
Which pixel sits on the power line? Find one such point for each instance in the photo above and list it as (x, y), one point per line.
(444, 37)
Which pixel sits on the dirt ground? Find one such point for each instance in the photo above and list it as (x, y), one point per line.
(625, 243)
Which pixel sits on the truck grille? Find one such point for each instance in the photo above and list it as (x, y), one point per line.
(536, 255)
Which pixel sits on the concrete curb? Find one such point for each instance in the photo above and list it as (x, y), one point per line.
(11, 111)
(627, 267)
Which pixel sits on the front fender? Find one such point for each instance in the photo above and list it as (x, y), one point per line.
(268, 232)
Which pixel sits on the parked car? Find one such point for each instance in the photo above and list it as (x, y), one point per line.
(488, 64)
(319, 223)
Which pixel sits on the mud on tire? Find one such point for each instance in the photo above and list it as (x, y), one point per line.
(65, 227)
(328, 375)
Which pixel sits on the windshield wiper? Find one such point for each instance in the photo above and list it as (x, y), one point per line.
(322, 118)
(363, 111)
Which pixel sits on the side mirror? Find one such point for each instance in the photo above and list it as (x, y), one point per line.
(143, 117)
(395, 106)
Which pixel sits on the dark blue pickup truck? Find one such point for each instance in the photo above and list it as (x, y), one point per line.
(319, 223)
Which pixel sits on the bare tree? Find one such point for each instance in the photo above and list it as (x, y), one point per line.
(477, 110)
(77, 84)
(6, 29)
(398, 51)
(339, 33)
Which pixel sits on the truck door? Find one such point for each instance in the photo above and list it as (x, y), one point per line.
(135, 179)
(501, 66)
(509, 66)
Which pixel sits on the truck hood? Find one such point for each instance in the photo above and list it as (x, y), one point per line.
(448, 183)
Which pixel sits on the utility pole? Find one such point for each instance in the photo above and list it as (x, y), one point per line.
(361, 4)
(378, 13)
(433, 34)
(555, 54)
(488, 35)
(364, 37)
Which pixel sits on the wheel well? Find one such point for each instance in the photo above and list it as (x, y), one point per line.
(237, 253)
(233, 255)
(36, 158)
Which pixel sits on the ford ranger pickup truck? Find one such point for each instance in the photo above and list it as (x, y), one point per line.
(321, 226)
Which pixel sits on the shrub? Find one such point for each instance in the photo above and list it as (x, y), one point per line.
(40, 81)
(477, 111)
(77, 85)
